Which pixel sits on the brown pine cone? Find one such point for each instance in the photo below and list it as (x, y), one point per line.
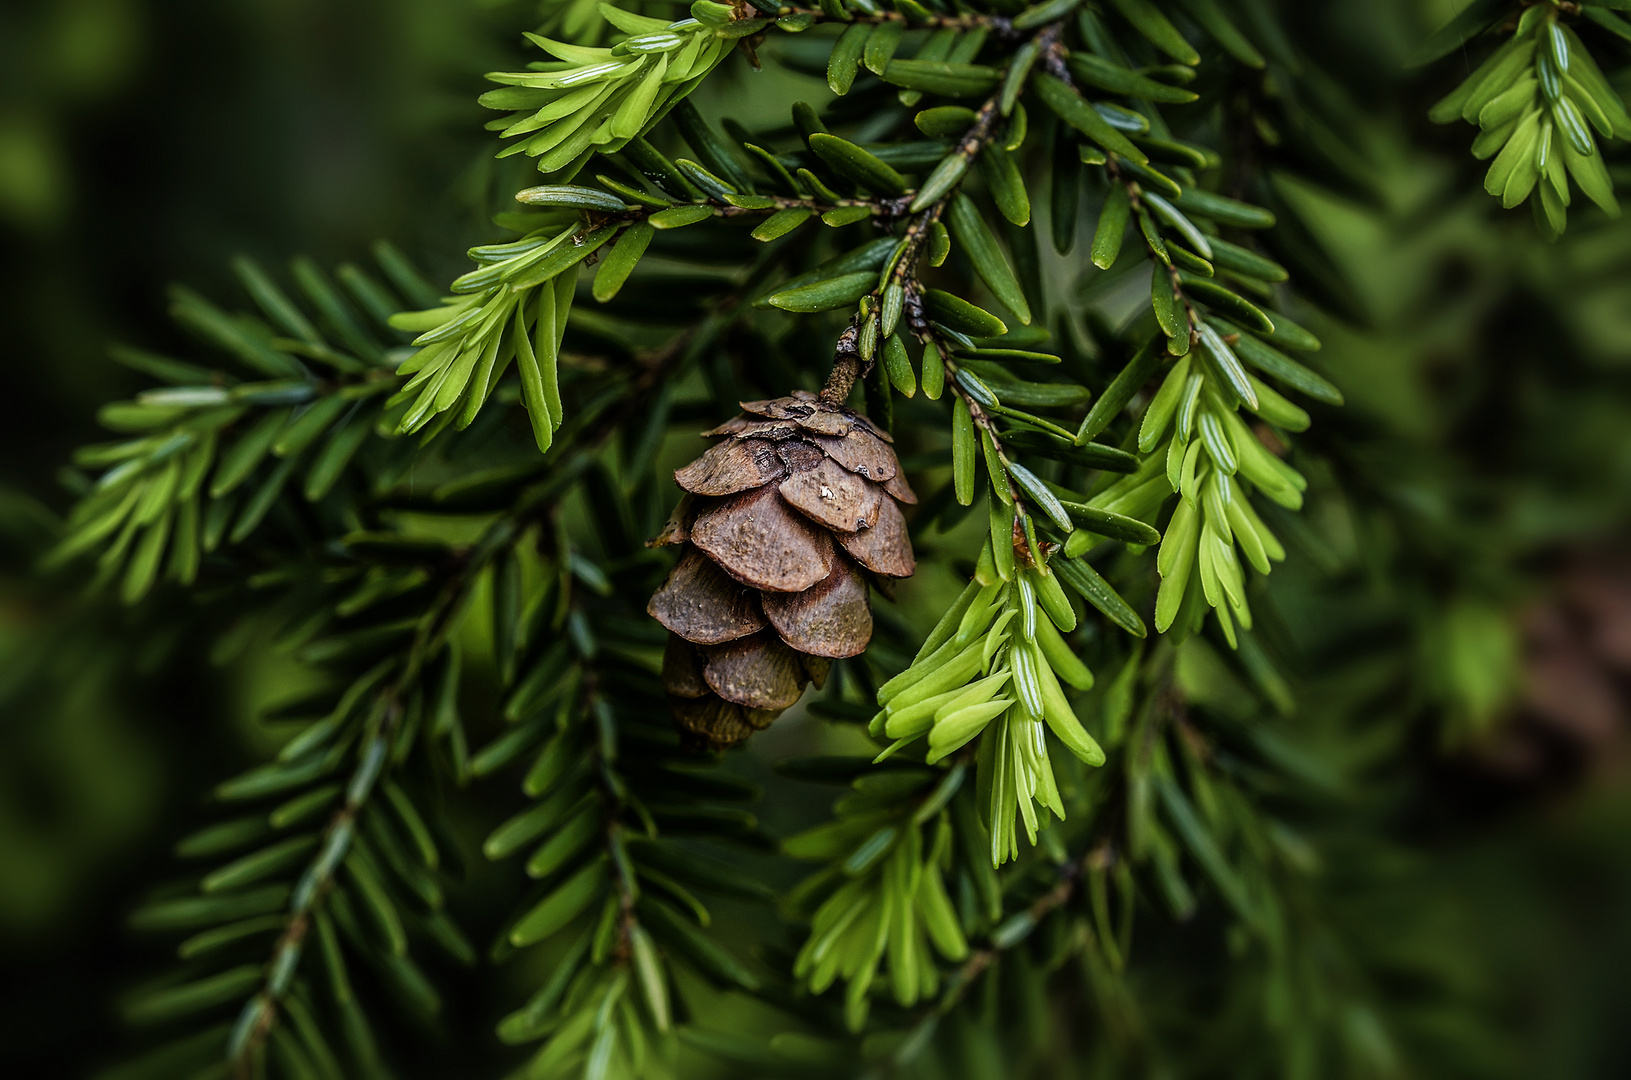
(783, 519)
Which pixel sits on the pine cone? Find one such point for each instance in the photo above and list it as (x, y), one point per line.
(782, 521)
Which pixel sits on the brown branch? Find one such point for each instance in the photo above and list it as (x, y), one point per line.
(462, 571)
(1135, 204)
(1100, 857)
(1163, 706)
(998, 23)
(980, 134)
(847, 365)
(612, 805)
(845, 370)
(725, 209)
(984, 422)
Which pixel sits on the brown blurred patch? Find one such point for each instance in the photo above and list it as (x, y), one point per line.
(1573, 722)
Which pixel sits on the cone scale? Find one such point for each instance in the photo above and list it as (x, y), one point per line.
(785, 520)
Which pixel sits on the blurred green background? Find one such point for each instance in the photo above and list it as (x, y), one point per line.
(143, 143)
(1465, 591)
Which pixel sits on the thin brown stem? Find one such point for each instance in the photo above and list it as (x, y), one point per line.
(612, 804)
(721, 208)
(984, 422)
(841, 380)
(903, 276)
(933, 22)
(1099, 857)
(1135, 203)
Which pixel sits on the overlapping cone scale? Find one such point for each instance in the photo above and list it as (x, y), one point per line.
(783, 520)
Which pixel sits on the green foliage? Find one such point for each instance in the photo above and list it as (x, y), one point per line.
(214, 450)
(512, 310)
(591, 100)
(329, 865)
(882, 901)
(609, 786)
(992, 670)
(1536, 99)
(1107, 435)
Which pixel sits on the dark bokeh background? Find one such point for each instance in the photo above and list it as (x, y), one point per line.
(144, 142)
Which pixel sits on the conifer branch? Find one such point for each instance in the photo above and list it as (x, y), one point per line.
(995, 728)
(919, 20)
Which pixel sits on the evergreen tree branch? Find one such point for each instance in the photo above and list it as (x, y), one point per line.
(260, 1013)
(151, 512)
(401, 700)
(1537, 98)
(922, 700)
(839, 12)
(1160, 783)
